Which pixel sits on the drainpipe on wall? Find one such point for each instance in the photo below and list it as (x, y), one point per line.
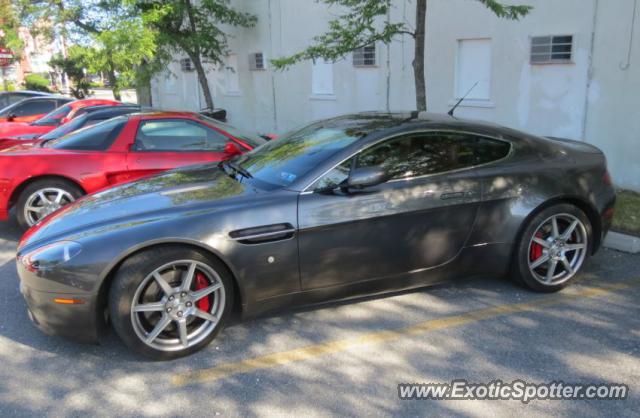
(273, 78)
(594, 25)
(624, 66)
(388, 64)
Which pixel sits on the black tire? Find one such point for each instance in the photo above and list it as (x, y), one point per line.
(38, 185)
(132, 273)
(520, 264)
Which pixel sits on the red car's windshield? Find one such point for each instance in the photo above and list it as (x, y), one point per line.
(53, 118)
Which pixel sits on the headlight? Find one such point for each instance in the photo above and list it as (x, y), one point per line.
(50, 256)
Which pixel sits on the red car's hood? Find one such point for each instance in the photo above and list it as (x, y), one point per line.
(9, 129)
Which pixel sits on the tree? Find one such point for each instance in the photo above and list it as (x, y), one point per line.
(115, 39)
(365, 22)
(192, 28)
(74, 65)
(9, 37)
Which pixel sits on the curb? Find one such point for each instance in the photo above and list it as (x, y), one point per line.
(622, 242)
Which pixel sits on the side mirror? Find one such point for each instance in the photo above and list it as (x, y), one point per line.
(231, 149)
(12, 117)
(367, 177)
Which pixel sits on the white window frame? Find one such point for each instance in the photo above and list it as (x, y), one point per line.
(231, 76)
(359, 56)
(472, 100)
(551, 60)
(322, 80)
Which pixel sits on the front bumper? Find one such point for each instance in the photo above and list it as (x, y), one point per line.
(79, 322)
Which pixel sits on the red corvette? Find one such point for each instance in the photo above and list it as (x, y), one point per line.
(38, 180)
(48, 122)
(32, 109)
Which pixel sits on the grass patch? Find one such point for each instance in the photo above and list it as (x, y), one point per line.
(627, 215)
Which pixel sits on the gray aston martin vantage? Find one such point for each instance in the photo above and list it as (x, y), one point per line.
(353, 205)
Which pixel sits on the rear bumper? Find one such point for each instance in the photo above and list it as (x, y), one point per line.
(76, 321)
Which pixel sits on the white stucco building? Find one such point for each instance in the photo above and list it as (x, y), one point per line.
(570, 69)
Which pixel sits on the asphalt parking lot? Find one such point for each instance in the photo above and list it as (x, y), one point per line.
(346, 358)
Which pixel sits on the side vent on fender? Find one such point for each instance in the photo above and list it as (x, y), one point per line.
(263, 234)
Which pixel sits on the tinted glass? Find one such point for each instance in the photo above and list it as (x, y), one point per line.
(34, 107)
(286, 159)
(95, 138)
(248, 137)
(177, 135)
(54, 118)
(75, 124)
(431, 153)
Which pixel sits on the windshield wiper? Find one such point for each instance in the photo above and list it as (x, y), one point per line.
(235, 167)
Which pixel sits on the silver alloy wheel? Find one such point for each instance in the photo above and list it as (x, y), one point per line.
(44, 202)
(558, 249)
(165, 313)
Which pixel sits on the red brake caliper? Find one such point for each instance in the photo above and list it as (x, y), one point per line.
(536, 249)
(202, 282)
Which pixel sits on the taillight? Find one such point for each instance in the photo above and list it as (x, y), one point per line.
(607, 178)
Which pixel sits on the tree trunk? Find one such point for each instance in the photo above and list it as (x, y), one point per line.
(202, 78)
(113, 82)
(418, 59)
(195, 57)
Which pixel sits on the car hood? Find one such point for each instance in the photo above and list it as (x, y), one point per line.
(171, 194)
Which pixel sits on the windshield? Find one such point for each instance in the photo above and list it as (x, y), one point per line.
(53, 118)
(65, 129)
(286, 159)
(92, 138)
(250, 138)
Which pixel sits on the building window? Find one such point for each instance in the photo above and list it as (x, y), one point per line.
(186, 65)
(256, 61)
(473, 68)
(365, 56)
(232, 80)
(322, 78)
(551, 49)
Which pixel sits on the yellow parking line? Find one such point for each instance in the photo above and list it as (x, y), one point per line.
(330, 347)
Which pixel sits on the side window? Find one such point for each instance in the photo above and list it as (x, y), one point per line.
(487, 150)
(335, 177)
(430, 153)
(37, 107)
(15, 98)
(177, 135)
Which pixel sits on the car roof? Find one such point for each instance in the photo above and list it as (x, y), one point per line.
(112, 110)
(164, 114)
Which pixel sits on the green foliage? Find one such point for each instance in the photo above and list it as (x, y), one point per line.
(193, 27)
(10, 86)
(36, 82)
(356, 28)
(363, 23)
(9, 25)
(74, 65)
(110, 33)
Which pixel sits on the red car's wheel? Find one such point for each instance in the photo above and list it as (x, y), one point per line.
(42, 198)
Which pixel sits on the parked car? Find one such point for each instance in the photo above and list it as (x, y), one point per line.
(10, 97)
(31, 109)
(50, 121)
(36, 181)
(90, 116)
(352, 205)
